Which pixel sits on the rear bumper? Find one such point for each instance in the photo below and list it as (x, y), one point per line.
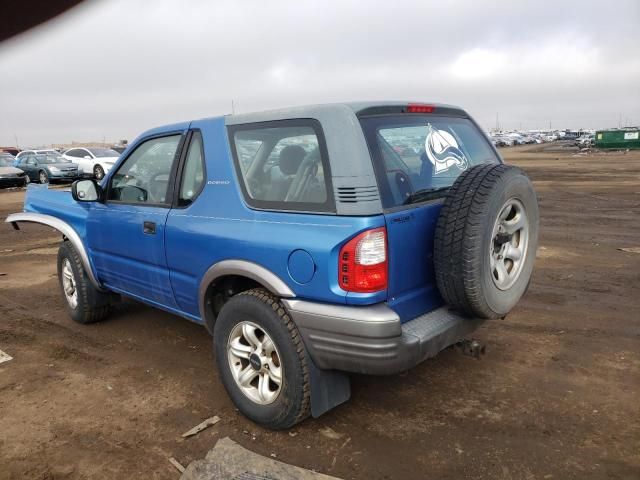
(12, 181)
(371, 339)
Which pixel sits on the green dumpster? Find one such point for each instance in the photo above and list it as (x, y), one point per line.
(618, 138)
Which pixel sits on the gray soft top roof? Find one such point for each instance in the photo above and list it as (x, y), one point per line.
(324, 110)
(355, 188)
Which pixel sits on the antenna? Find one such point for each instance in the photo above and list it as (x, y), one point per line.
(15, 137)
(233, 106)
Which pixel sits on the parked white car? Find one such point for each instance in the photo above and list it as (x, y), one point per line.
(93, 161)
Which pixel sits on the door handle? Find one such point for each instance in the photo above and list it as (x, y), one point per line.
(149, 228)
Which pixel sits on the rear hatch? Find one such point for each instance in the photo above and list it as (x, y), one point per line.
(418, 151)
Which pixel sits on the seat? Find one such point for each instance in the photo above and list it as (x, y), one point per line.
(283, 174)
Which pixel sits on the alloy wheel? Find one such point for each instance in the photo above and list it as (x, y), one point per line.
(69, 284)
(255, 363)
(508, 249)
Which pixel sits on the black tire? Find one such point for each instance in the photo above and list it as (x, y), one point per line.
(464, 240)
(98, 172)
(43, 177)
(27, 180)
(92, 305)
(292, 405)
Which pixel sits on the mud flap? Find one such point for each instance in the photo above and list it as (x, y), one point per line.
(329, 388)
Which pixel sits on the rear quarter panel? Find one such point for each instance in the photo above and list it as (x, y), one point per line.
(220, 226)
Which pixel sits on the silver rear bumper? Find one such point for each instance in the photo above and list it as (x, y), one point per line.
(371, 339)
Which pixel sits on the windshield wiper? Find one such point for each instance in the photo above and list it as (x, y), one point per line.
(425, 194)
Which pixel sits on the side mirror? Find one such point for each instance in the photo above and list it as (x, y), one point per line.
(86, 191)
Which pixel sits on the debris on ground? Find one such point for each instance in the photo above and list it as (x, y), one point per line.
(331, 433)
(177, 464)
(5, 357)
(230, 460)
(2, 274)
(201, 426)
(630, 249)
(335, 457)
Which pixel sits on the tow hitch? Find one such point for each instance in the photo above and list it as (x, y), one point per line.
(472, 348)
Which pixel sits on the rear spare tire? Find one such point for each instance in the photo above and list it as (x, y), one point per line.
(486, 240)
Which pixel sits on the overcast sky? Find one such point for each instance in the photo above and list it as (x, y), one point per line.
(114, 68)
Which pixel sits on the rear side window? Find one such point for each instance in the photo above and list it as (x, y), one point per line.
(418, 157)
(77, 153)
(283, 165)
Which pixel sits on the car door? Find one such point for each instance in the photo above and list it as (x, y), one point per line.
(28, 164)
(78, 155)
(87, 160)
(126, 232)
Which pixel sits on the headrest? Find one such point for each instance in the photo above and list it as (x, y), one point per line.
(291, 157)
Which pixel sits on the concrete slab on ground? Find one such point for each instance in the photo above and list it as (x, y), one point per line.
(230, 461)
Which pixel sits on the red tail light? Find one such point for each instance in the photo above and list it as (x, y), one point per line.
(416, 108)
(362, 266)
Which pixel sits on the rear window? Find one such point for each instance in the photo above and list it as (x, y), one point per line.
(418, 157)
(283, 165)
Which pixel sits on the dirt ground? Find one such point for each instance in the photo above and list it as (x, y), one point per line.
(557, 395)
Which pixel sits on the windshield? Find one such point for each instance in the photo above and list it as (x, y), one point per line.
(51, 158)
(414, 154)
(103, 152)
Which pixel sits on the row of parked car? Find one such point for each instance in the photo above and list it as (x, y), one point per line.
(509, 139)
(47, 165)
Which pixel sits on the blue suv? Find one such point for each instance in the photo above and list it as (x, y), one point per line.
(310, 242)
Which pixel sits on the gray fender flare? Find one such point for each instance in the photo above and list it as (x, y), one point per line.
(65, 229)
(243, 268)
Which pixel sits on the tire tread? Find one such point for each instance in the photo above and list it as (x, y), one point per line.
(459, 234)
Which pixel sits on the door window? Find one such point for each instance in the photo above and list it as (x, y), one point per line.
(193, 173)
(144, 176)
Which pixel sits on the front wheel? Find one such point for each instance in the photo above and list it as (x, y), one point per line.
(43, 177)
(84, 302)
(262, 360)
(27, 180)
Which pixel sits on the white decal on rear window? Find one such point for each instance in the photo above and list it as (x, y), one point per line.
(443, 151)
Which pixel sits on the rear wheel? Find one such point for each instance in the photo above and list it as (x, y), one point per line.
(98, 172)
(84, 302)
(43, 177)
(27, 180)
(486, 240)
(262, 360)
